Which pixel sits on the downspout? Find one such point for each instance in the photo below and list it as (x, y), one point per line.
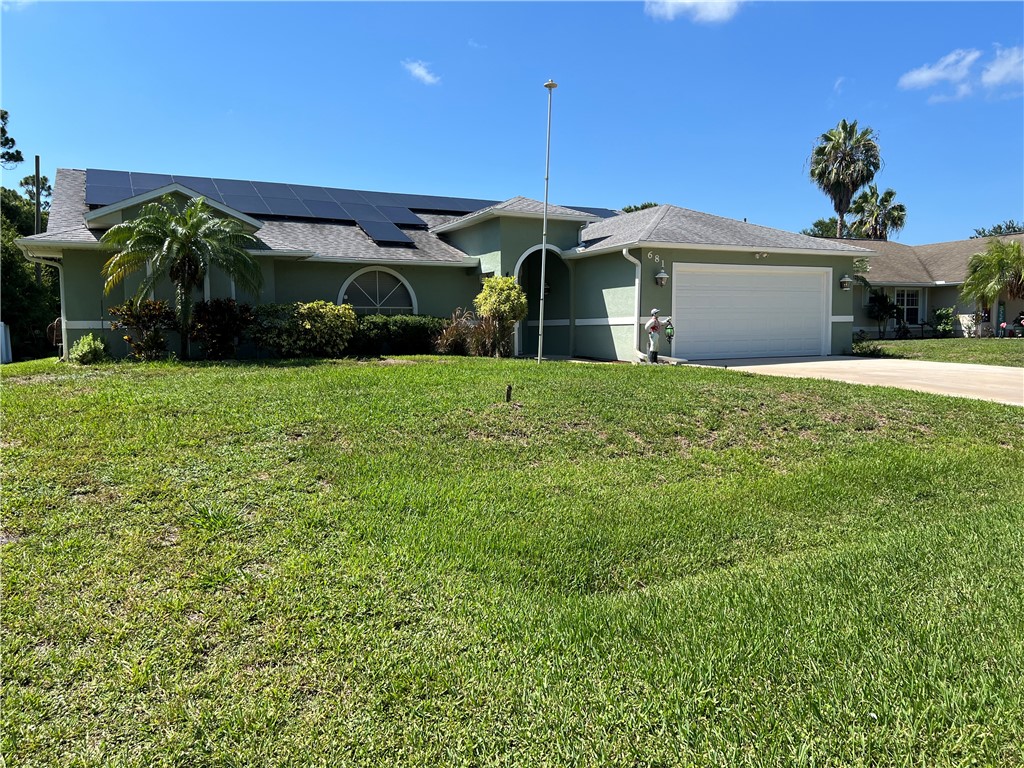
(636, 301)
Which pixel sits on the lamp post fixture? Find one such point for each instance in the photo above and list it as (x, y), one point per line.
(550, 85)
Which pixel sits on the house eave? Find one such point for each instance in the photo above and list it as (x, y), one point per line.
(26, 245)
(483, 216)
(581, 253)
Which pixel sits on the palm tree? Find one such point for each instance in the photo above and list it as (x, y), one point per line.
(877, 215)
(180, 244)
(1000, 268)
(843, 161)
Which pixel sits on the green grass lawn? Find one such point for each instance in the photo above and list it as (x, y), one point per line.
(385, 563)
(979, 351)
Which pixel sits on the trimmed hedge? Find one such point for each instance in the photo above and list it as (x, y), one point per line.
(378, 335)
(316, 329)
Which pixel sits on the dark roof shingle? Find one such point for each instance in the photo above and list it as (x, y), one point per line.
(669, 224)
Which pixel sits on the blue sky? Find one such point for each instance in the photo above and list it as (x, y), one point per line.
(714, 107)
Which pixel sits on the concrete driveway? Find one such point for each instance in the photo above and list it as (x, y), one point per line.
(981, 382)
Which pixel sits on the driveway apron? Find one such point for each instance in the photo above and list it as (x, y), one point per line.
(1001, 384)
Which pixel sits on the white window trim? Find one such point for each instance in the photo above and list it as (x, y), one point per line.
(401, 279)
(903, 307)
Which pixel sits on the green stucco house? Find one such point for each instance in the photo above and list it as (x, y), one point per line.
(733, 289)
(923, 278)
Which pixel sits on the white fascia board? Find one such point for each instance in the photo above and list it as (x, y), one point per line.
(910, 284)
(113, 208)
(577, 253)
(56, 246)
(476, 218)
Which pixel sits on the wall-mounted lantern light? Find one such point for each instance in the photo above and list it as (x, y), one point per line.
(845, 283)
(661, 278)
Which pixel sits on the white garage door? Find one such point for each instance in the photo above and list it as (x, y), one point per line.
(722, 311)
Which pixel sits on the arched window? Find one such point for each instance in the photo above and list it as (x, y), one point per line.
(378, 291)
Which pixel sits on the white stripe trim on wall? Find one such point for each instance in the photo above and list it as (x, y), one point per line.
(842, 318)
(604, 321)
(589, 321)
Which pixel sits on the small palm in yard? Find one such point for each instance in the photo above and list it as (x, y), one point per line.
(181, 245)
(1000, 268)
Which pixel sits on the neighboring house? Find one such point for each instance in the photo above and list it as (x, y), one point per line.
(923, 278)
(734, 289)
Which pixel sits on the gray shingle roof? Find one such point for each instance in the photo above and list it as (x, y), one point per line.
(347, 241)
(669, 224)
(948, 261)
(67, 207)
(327, 240)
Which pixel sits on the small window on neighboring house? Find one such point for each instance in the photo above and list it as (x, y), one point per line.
(909, 302)
(378, 293)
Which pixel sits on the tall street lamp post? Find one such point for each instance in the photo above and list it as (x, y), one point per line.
(550, 85)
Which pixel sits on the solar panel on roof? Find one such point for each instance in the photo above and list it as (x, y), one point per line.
(384, 232)
(233, 187)
(267, 189)
(97, 194)
(107, 178)
(146, 182)
(345, 196)
(399, 215)
(327, 209)
(365, 212)
(280, 206)
(246, 203)
(304, 192)
(105, 187)
(203, 186)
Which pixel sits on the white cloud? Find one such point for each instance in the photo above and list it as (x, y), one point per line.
(838, 87)
(698, 10)
(954, 67)
(474, 44)
(1008, 68)
(963, 90)
(421, 72)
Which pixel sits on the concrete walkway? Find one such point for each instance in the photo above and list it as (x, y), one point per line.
(998, 383)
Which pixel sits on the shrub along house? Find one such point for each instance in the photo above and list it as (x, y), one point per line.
(923, 278)
(734, 289)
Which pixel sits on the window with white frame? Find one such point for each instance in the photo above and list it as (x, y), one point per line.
(376, 292)
(909, 303)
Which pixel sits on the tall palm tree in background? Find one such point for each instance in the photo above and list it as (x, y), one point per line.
(1000, 268)
(181, 244)
(843, 161)
(877, 215)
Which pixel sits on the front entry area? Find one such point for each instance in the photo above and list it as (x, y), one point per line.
(556, 304)
(725, 311)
